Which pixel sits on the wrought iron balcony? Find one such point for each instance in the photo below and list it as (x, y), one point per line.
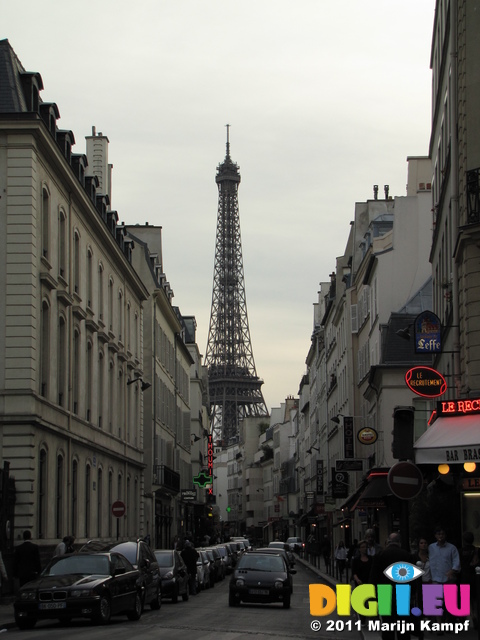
(166, 478)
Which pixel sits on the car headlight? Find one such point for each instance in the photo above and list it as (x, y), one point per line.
(240, 582)
(28, 595)
(169, 575)
(278, 584)
(81, 593)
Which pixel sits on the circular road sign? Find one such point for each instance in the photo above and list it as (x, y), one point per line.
(118, 509)
(405, 480)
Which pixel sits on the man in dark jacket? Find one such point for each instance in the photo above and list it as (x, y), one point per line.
(26, 560)
(190, 557)
(392, 553)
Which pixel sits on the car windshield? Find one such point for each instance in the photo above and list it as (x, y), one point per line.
(164, 558)
(261, 563)
(82, 564)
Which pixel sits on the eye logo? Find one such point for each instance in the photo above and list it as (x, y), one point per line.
(403, 572)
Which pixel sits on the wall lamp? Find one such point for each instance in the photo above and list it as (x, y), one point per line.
(300, 469)
(144, 386)
(405, 333)
(195, 438)
(336, 418)
(258, 490)
(310, 450)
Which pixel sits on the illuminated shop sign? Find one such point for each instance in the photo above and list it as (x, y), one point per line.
(426, 382)
(210, 461)
(459, 407)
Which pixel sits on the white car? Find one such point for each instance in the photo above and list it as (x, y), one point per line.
(296, 544)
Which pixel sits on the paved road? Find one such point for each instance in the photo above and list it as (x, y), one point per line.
(207, 616)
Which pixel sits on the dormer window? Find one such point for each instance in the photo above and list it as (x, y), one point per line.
(50, 114)
(66, 140)
(32, 85)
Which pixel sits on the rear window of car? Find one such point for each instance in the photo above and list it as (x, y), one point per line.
(164, 559)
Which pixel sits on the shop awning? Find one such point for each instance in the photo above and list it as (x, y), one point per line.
(450, 440)
(374, 494)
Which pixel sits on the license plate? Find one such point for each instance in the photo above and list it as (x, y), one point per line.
(258, 592)
(52, 605)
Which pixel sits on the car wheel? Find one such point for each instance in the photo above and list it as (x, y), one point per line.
(233, 601)
(137, 610)
(286, 602)
(24, 623)
(156, 603)
(105, 611)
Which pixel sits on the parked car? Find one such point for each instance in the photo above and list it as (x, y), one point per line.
(174, 574)
(287, 555)
(139, 554)
(205, 575)
(87, 585)
(262, 578)
(296, 544)
(285, 547)
(215, 565)
(227, 558)
(244, 541)
(220, 572)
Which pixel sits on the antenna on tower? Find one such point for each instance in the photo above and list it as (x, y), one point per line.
(228, 140)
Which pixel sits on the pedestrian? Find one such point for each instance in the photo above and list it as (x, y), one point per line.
(421, 559)
(361, 567)
(326, 552)
(3, 573)
(469, 559)
(392, 553)
(61, 548)
(190, 556)
(444, 561)
(373, 548)
(69, 548)
(340, 559)
(26, 560)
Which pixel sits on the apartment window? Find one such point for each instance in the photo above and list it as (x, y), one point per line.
(76, 262)
(44, 348)
(101, 310)
(110, 502)
(99, 502)
(59, 497)
(89, 278)
(62, 244)
(62, 361)
(45, 222)
(88, 489)
(42, 494)
(101, 387)
(120, 315)
(76, 370)
(89, 381)
(74, 494)
(110, 304)
(111, 393)
(121, 398)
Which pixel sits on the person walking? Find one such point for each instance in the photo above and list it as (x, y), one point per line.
(421, 559)
(26, 560)
(61, 548)
(340, 559)
(373, 547)
(190, 556)
(381, 561)
(361, 567)
(3, 574)
(444, 561)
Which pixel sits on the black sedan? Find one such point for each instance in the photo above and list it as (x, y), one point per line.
(95, 586)
(174, 574)
(139, 554)
(262, 578)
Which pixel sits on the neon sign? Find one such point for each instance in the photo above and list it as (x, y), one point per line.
(459, 407)
(426, 382)
(210, 461)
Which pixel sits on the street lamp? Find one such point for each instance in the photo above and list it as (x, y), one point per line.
(310, 450)
(144, 386)
(195, 438)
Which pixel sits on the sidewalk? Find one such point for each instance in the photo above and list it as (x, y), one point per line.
(470, 634)
(7, 618)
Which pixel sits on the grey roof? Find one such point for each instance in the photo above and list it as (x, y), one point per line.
(420, 301)
(12, 99)
(397, 350)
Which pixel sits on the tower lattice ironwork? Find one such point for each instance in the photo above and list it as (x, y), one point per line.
(234, 387)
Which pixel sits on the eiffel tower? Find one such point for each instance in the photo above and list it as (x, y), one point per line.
(234, 387)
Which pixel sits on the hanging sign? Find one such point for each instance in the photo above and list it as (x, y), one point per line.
(428, 331)
(348, 439)
(426, 382)
(367, 435)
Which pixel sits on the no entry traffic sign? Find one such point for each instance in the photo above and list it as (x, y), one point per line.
(405, 480)
(118, 509)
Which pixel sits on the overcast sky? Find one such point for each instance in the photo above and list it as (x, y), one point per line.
(324, 98)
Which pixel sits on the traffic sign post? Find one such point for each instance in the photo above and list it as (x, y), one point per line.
(118, 510)
(405, 480)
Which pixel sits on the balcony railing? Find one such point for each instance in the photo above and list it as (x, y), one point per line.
(166, 478)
